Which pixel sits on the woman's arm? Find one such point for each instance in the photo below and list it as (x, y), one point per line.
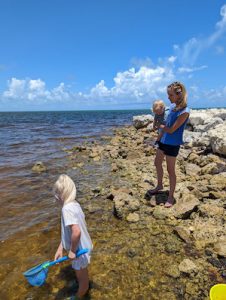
(180, 121)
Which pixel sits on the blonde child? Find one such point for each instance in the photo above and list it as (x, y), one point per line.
(171, 138)
(74, 234)
(160, 115)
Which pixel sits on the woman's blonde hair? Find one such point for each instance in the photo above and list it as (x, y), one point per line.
(179, 89)
(157, 104)
(65, 188)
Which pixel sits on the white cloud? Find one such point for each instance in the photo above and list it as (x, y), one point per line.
(191, 70)
(31, 90)
(142, 84)
(189, 52)
(172, 59)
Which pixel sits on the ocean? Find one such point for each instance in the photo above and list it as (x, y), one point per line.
(28, 137)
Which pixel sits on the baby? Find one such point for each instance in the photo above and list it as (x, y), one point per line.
(160, 112)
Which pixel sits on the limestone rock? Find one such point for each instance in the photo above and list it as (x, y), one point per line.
(218, 139)
(220, 248)
(133, 218)
(142, 121)
(185, 206)
(188, 267)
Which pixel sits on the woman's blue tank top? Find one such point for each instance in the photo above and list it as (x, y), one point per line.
(175, 138)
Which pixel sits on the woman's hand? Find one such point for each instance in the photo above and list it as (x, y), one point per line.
(59, 254)
(71, 255)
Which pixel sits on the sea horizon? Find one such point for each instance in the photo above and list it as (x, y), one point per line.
(100, 110)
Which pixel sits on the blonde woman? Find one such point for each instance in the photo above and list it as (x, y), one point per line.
(171, 139)
(74, 234)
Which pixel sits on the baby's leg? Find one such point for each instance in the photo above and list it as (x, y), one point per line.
(83, 281)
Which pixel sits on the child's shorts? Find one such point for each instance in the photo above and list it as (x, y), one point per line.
(81, 262)
(169, 150)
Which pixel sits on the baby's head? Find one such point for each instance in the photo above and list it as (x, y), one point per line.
(64, 189)
(158, 107)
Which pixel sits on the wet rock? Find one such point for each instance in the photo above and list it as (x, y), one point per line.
(187, 266)
(124, 203)
(39, 167)
(131, 253)
(173, 271)
(133, 218)
(172, 244)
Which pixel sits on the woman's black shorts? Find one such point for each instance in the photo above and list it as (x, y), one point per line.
(169, 149)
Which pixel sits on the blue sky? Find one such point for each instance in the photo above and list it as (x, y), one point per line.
(99, 54)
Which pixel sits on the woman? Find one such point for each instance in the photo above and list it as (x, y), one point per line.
(172, 138)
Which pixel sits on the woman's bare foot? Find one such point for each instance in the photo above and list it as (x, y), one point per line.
(170, 202)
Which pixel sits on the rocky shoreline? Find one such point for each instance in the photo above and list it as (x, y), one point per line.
(199, 216)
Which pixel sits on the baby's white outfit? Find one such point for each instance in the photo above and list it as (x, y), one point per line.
(72, 214)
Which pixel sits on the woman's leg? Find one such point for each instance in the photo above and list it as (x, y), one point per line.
(159, 169)
(83, 281)
(171, 162)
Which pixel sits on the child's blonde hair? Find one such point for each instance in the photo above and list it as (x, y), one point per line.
(179, 89)
(65, 188)
(157, 104)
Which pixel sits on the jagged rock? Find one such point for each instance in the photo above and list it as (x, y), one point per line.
(196, 139)
(208, 124)
(142, 121)
(218, 139)
(185, 206)
(188, 267)
(183, 233)
(125, 203)
(220, 248)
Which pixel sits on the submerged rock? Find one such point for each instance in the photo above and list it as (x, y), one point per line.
(39, 167)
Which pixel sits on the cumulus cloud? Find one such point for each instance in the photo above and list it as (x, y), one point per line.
(33, 90)
(190, 51)
(142, 84)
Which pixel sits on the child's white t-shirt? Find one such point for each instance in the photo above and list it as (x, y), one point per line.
(72, 214)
